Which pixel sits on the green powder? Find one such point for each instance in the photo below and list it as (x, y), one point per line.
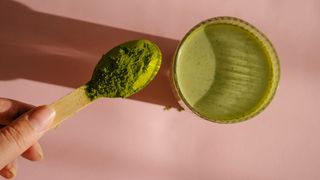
(124, 70)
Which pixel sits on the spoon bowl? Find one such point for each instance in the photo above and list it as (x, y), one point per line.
(125, 70)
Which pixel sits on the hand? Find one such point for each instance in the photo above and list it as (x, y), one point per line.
(27, 125)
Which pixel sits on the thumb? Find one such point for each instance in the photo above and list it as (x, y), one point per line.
(18, 136)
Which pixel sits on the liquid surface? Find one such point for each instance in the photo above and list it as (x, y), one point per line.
(223, 72)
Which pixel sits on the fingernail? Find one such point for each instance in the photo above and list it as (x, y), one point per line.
(5, 105)
(41, 118)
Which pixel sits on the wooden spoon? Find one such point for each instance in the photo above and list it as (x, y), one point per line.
(121, 72)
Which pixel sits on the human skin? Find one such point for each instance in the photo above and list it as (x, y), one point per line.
(27, 125)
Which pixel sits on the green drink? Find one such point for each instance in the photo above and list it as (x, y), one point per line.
(225, 70)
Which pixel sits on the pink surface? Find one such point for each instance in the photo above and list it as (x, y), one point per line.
(57, 43)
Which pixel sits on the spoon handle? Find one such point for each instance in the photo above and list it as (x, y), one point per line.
(66, 106)
(69, 105)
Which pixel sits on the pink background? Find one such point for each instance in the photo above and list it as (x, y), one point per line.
(57, 43)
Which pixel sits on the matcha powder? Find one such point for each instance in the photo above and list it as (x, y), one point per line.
(118, 71)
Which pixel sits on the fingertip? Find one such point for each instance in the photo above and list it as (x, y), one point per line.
(7, 174)
(41, 118)
(5, 105)
(34, 153)
(10, 170)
